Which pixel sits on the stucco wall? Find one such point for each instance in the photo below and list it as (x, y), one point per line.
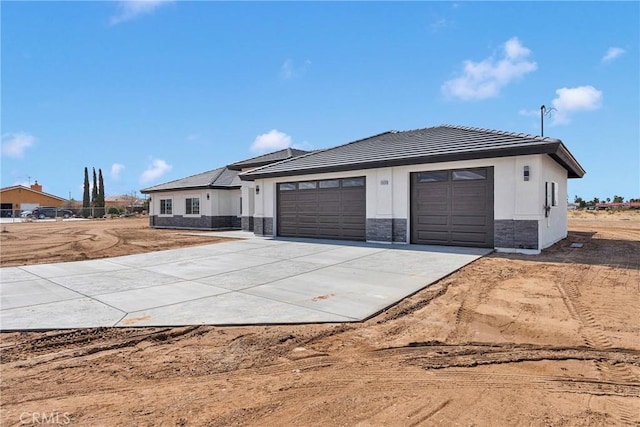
(221, 204)
(388, 193)
(554, 227)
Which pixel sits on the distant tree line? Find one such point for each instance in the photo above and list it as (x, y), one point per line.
(93, 205)
(585, 203)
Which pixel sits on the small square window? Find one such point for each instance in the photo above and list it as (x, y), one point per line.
(308, 185)
(437, 176)
(330, 183)
(469, 174)
(353, 182)
(288, 186)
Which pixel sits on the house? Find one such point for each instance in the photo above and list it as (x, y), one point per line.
(19, 198)
(444, 185)
(124, 202)
(211, 200)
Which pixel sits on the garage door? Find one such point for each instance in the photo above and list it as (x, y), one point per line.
(332, 209)
(452, 207)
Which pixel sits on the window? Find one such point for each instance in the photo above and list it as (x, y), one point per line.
(330, 183)
(438, 176)
(469, 174)
(309, 185)
(288, 186)
(554, 193)
(192, 206)
(166, 207)
(353, 182)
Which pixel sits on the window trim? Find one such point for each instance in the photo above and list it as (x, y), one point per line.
(186, 205)
(170, 200)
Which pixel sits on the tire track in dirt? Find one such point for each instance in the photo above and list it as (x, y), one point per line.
(593, 334)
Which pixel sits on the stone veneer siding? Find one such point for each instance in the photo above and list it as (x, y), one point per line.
(387, 230)
(201, 223)
(399, 228)
(263, 226)
(517, 234)
(247, 223)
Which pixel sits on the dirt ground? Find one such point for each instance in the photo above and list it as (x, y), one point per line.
(42, 242)
(509, 340)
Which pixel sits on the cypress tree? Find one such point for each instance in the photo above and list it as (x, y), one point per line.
(86, 202)
(101, 202)
(94, 190)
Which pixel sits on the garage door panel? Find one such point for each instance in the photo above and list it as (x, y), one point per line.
(307, 196)
(451, 212)
(468, 238)
(328, 196)
(352, 219)
(334, 212)
(328, 209)
(466, 220)
(288, 196)
(469, 206)
(427, 220)
(434, 236)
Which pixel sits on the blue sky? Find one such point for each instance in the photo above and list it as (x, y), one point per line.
(154, 91)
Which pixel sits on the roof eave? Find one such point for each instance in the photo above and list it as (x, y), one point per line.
(208, 187)
(556, 150)
(566, 160)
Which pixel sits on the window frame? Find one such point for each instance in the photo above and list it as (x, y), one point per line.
(163, 206)
(358, 181)
(189, 206)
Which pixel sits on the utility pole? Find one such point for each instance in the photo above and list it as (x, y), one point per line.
(544, 111)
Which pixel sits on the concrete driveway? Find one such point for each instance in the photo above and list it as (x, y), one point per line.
(251, 281)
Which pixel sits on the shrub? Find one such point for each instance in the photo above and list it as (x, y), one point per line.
(113, 211)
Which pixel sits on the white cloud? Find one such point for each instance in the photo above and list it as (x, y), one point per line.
(571, 100)
(288, 69)
(131, 9)
(484, 79)
(529, 113)
(271, 141)
(155, 170)
(15, 144)
(116, 168)
(612, 54)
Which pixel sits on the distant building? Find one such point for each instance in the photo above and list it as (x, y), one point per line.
(623, 205)
(124, 202)
(18, 198)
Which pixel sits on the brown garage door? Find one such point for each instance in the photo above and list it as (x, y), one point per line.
(331, 209)
(452, 207)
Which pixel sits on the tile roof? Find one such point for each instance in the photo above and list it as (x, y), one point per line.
(217, 178)
(224, 177)
(429, 145)
(265, 159)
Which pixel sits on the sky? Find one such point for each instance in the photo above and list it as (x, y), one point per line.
(152, 91)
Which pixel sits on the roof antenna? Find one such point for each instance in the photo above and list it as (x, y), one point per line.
(544, 111)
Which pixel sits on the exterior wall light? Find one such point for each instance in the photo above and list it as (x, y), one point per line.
(257, 189)
(207, 196)
(526, 173)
